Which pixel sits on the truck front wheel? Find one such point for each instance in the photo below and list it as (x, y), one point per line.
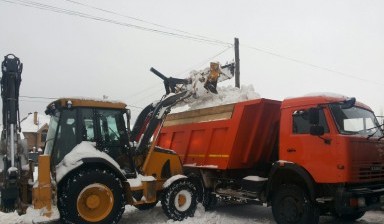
(91, 196)
(179, 200)
(291, 204)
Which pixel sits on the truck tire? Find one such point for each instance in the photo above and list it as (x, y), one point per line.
(209, 200)
(179, 200)
(91, 196)
(350, 217)
(291, 204)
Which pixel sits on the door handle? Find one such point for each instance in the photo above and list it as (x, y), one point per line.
(291, 150)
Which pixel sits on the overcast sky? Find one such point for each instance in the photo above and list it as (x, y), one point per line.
(287, 48)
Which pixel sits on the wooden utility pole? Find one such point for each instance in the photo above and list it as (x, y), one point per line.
(237, 63)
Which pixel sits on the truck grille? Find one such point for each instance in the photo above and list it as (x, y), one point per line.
(371, 171)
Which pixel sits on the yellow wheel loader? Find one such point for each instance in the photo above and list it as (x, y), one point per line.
(93, 164)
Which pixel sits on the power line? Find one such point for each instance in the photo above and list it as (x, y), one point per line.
(141, 20)
(51, 8)
(194, 38)
(312, 65)
(205, 61)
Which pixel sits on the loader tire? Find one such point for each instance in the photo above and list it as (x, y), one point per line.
(291, 204)
(179, 200)
(91, 196)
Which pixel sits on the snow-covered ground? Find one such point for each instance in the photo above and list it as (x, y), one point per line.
(228, 214)
(223, 214)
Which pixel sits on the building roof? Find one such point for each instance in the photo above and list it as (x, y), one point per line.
(27, 124)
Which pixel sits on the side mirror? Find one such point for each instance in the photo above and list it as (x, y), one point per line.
(314, 115)
(316, 130)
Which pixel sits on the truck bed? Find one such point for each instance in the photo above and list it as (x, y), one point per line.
(233, 136)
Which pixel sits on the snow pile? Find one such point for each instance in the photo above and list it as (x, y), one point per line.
(168, 182)
(73, 159)
(226, 95)
(37, 215)
(137, 182)
(31, 216)
(199, 78)
(255, 178)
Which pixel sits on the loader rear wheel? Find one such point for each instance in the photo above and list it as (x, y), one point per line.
(91, 196)
(179, 200)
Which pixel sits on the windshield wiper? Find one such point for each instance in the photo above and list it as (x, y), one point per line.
(377, 128)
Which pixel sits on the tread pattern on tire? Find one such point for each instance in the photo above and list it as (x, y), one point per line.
(68, 192)
(169, 195)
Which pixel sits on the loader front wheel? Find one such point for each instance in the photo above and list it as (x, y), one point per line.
(91, 196)
(179, 200)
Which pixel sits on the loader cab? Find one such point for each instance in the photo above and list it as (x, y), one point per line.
(102, 123)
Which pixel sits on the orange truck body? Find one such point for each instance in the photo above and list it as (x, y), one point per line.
(233, 136)
(225, 145)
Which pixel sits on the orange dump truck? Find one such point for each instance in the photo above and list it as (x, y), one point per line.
(305, 157)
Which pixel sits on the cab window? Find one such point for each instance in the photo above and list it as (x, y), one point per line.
(111, 126)
(301, 123)
(66, 135)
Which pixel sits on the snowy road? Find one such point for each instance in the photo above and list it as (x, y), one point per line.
(228, 214)
(224, 214)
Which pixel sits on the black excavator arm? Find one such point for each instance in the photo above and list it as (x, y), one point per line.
(11, 69)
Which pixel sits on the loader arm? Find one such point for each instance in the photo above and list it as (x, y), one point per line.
(175, 90)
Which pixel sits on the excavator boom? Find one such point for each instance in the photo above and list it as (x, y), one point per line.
(10, 163)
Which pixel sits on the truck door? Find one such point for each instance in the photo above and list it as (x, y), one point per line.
(313, 153)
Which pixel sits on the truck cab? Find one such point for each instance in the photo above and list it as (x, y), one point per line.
(339, 143)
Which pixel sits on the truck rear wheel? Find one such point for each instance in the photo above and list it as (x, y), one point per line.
(91, 196)
(179, 200)
(209, 200)
(292, 205)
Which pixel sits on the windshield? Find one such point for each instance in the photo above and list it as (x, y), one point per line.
(51, 134)
(355, 120)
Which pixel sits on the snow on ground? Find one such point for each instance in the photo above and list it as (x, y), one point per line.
(223, 214)
(228, 214)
